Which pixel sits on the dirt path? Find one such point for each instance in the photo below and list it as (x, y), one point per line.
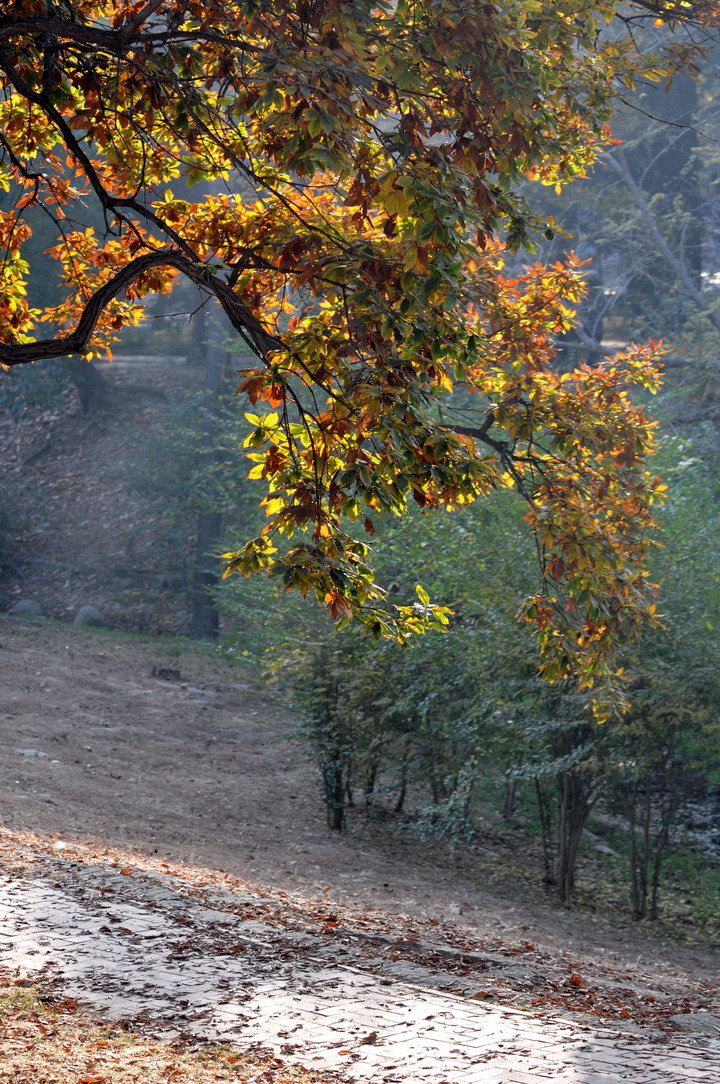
(202, 769)
(138, 945)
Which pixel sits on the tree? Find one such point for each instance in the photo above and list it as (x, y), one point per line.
(371, 153)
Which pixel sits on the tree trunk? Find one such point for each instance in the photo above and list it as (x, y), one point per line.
(509, 800)
(636, 880)
(669, 802)
(204, 621)
(543, 804)
(644, 852)
(370, 782)
(437, 786)
(469, 785)
(660, 848)
(92, 387)
(400, 803)
(573, 812)
(204, 618)
(334, 787)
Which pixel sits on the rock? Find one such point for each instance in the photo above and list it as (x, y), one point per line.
(91, 617)
(705, 1023)
(166, 673)
(31, 753)
(26, 607)
(602, 848)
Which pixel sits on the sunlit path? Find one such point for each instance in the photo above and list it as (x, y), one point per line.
(138, 947)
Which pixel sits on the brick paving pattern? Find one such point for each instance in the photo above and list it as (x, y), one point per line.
(135, 948)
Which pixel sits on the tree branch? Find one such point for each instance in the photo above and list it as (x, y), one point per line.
(481, 433)
(674, 11)
(240, 316)
(107, 200)
(619, 163)
(112, 40)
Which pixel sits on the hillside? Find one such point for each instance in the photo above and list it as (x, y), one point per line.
(75, 531)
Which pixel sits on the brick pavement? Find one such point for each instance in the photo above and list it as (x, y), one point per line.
(135, 948)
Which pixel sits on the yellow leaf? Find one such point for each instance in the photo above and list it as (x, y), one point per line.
(411, 259)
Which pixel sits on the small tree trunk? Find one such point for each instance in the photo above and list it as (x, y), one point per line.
(645, 850)
(545, 817)
(437, 787)
(509, 800)
(334, 797)
(204, 618)
(573, 812)
(400, 803)
(371, 782)
(660, 846)
(637, 901)
(469, 783)
(669, 806)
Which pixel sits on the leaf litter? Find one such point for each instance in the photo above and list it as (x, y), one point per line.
(45, 1039)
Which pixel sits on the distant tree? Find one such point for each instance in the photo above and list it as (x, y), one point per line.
(379, 146)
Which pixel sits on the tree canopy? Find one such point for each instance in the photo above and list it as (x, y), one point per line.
(344, 179)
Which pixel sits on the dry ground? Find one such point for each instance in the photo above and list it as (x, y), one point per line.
(203, 770)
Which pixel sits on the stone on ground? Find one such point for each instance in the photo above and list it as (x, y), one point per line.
(26, 607)
(90, 617)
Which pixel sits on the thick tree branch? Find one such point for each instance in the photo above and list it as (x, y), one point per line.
(113, 41)
(240, 316)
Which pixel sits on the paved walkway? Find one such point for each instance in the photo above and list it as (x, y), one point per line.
(138, 947)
